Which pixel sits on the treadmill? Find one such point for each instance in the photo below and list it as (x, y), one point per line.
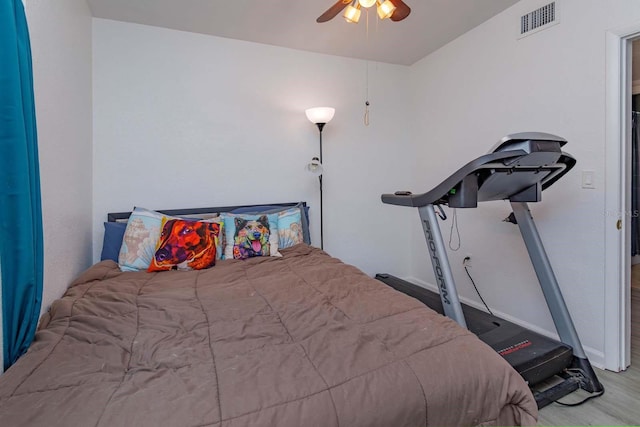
(517, 169)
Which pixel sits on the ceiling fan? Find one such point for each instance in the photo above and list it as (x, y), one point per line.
(396, 10)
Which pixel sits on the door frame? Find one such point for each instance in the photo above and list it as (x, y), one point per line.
(617, 286)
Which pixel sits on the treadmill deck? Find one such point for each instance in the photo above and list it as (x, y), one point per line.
(534, 356)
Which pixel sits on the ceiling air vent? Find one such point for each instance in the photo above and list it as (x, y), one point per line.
(539, 19)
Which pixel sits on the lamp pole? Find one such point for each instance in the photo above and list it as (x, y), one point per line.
(320, 116)
(320, 127)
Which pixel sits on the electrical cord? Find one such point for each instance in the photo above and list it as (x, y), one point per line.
(454, 223)
(593, 396)
(464, 264)
(586, 399)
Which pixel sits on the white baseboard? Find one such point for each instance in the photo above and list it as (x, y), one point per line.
(595, 357)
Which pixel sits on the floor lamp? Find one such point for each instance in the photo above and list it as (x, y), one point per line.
(320, 116)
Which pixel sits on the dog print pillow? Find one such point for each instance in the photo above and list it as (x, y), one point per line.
(186, 245)
(251, 236)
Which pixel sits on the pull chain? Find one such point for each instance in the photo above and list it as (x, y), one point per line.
(366, 102)
(366, 113)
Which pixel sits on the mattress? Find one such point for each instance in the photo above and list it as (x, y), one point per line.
(301, 340)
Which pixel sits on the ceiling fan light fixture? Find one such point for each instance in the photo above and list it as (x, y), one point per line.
(397, 10)
(352, 14)
(367, 3)
(385, 9)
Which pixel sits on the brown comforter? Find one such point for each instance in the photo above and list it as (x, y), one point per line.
(302, 340)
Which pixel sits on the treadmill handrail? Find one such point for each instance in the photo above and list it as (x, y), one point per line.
(430, 197)
(436, 195)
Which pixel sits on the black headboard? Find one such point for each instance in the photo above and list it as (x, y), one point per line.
(119, 216)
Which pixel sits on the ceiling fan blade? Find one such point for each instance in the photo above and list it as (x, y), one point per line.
(334, 10)
(401, 12)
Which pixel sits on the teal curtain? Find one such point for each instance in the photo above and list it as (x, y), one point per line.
(20, 205)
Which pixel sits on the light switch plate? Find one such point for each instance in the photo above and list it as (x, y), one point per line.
(588, 179)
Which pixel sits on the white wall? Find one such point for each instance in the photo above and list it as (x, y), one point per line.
(487, 84)
(61, 49)
(189, 120)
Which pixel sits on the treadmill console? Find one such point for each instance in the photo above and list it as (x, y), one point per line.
(542, 149)
(517, 168)
(529, 142)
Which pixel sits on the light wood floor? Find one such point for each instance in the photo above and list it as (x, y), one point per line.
(620, 404)
(635, 276)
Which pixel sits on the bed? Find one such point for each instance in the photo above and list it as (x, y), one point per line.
(301, 339)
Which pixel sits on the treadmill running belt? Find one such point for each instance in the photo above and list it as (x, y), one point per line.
(533, 355)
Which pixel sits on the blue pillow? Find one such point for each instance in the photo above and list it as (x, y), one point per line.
(278, 208)
(113, 234)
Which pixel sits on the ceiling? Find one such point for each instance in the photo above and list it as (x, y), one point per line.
(291, 23)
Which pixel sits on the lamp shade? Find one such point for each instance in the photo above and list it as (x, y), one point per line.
(367, 3)
(385, 9)
(352, 14)
(320, 114)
